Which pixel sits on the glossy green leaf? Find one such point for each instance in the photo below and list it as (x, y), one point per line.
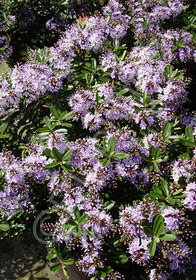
(55, 267)
(68, 153)
(70, 230)
(152, 247)
(106, 162)
(167, 237)
(166, 130)
(111, 144)
(156, 220)
(51, 256)
(51, 165)
(4, 227)
(57, 154)
(164, 186)
(121, 155)
(189, 133)
(148, 231)
(69, 261)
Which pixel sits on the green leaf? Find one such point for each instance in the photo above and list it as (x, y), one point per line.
(68, 153)
(54, 112)
(157, 220)
(89, 232)
(68, 168)
(121, 155)
(55, 267)
(177, 192)
(166, 130)
(152, 151)
(106, 162)
(51, 256)
(188, 143)
(65, 273)
(78, 231)
(148, 231)
(47, 122)
(156, 168)
(123, 91)
(47, 152)
(38, 58)
(189, 134)
(57, 154)
(157, 154)
(148, 159)
(123, 259)
(3, 127)
(70, 230)
(164, 186)
(152, 247)
(69, 261)
(4, 227)
(51, 165)
(159, 229)
(111, 144)
(82, 219)
(167, 237)
(170, 200)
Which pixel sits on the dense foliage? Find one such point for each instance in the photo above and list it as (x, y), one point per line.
(97, 130)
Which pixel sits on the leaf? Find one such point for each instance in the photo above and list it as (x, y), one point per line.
(78, 231)
(70, 230)
(69, 261)
(152, 151)
(170, 200)
(177, 192)
(111, 144)
(188, 143)
(47, 152)
(123, 91)
(123, 259)
(157, 154)
(54, 112)
(89, 232)
(148, 159)
(121, 155)
(68, 168)
(166, 130)
(164, 186)
(38, 58)
(55, 267)
(189, 134)
(47, 122)
(65, 272)
(157, 219)
(51, 256)
(106, 162)
(3, 127)
(159, 229)
(152, 247)
(51, 165)
(68, 154)
(57, 154)
(167, 237)
(4, 227)
(82, 219)
(148, 231)
(156, 168)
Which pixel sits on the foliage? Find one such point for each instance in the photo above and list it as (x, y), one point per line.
(97, 145)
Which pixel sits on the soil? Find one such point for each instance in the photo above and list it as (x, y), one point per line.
(25, 260)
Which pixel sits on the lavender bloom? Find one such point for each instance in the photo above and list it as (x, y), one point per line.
(58, 141)
(190, 200)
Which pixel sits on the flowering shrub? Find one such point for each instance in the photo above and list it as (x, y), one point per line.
(96, 135)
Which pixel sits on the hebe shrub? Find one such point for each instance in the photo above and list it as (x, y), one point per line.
(98, 146)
